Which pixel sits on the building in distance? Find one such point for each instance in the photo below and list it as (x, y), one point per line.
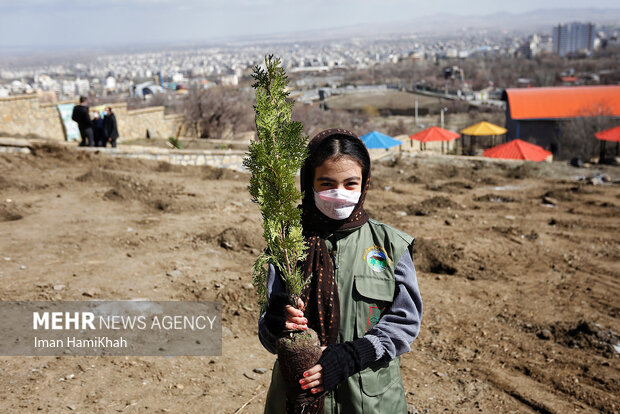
(573, 37)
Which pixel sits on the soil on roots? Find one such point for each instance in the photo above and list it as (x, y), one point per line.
(298, 352)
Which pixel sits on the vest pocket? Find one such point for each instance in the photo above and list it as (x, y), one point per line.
(379, 377)
(372, 295)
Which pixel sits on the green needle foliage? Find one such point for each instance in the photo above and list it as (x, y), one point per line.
(274, 160)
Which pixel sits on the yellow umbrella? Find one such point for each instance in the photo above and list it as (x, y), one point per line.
(484, 128)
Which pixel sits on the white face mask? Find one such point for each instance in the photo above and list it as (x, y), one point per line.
(335, 203)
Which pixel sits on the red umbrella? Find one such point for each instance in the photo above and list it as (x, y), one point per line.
(517, 150)
(435, 134)
(612, 134)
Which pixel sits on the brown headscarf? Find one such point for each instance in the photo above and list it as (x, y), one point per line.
(321, 294)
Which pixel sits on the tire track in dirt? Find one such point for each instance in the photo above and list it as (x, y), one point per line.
(531, 393)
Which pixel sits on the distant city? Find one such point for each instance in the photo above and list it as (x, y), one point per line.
(143, 74)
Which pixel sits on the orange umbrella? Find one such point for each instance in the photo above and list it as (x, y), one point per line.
(612, 134)
(517, 150)
(434, 134)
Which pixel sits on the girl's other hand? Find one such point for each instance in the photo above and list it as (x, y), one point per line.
(295, 320)
(313, 378)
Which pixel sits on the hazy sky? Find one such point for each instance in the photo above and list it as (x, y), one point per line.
(116, 22)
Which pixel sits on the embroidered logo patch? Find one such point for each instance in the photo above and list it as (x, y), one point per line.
(374, 314)
(377, 258)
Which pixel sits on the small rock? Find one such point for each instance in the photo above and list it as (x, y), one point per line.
(510, 218)
(22, 267)
(596, 180)
(549, 200)
(71, 407)
(7, 259)
(226, 331)
(180, 386)
(129, 255)
(129, 229)
(59, 287)
(411, 409)
(174, 273)
(545, 334)
(260, 370)
(387, 188)
(402, 213)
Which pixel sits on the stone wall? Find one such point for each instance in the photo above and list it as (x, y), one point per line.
(215, 158)
(24, 115)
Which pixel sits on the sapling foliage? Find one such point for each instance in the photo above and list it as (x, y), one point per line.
(274, 159)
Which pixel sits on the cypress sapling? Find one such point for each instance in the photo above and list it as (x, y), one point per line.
(274, 160)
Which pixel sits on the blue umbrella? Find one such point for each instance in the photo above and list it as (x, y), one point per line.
(376, 139)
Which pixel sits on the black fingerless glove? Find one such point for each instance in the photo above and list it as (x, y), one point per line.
(275, 315)
(340, 361)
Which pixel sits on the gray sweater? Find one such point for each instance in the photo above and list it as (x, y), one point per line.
(398, 326)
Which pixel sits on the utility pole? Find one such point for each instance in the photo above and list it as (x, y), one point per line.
(442, 111)
(416, 110)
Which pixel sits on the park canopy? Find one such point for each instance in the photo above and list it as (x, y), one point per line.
(518, 150)
(435, 133)
(374, 140)
(484, 128)
(612, 134)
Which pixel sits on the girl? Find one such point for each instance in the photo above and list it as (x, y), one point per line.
(363, 298)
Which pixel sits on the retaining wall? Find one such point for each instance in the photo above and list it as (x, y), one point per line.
(24, 115)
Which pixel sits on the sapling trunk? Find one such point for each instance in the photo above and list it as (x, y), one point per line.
(274, 160)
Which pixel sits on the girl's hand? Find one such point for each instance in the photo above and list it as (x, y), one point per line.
(313, 378)
(295, 318)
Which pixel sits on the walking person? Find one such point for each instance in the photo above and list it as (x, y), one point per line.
(110, 130)
(82, 117)
(363, 298)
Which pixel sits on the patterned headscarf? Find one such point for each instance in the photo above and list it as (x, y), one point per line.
(321, 294)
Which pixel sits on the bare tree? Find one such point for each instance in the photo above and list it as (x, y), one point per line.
(578, 138)
(218, 112)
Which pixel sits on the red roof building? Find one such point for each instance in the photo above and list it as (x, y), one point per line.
(538, 113)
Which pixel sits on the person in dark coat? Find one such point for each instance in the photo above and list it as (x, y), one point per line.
(110, 130)
(82, 117)
(100, 139)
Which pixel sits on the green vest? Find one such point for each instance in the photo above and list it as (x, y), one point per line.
(366, 258)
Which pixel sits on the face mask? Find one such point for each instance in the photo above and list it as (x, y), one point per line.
(336, 204)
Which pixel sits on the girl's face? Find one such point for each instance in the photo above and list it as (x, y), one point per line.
(342, 173)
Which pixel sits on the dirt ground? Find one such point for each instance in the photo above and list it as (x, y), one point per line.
(518, 267)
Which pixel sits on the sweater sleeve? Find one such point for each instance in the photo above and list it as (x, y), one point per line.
(400, 324)
(274, 284)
